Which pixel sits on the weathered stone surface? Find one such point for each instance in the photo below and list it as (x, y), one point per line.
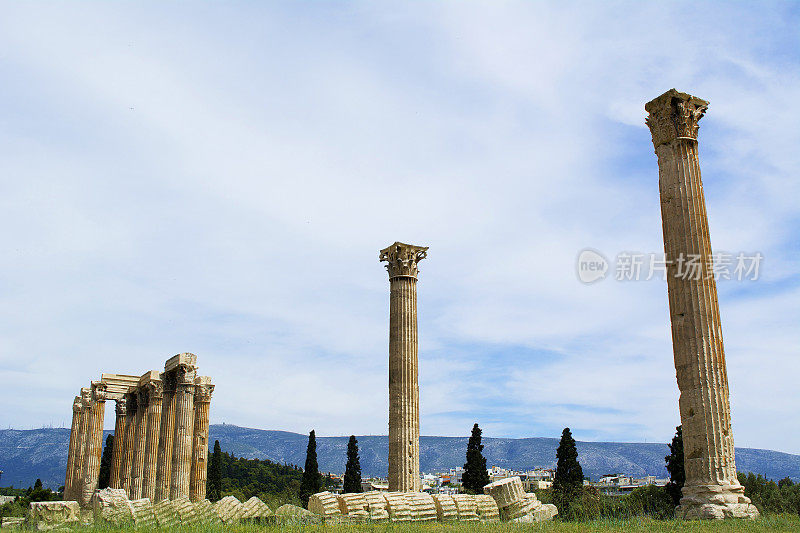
(184, 431)
(445, 507)
(185, 509)
(229, 509)
(547, 511)
(487, 508)
(466, 506)
(353, 505)
(166, 515)
(255, 509)
(203, 390)
(397, 506)
(205, 512)
(94, 443)
(325, 504)
(12, 522)
(423, 508)
(143, 514)
(505, 491)
(402, 260)
(49, 515)
(112, 506)
(292, 514)
(376, 506)
(712, 489)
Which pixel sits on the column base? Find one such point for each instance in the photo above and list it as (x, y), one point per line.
(715, 502)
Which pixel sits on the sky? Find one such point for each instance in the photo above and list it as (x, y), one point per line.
(219, 178)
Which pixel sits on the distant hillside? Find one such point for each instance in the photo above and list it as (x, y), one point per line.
(42, 453)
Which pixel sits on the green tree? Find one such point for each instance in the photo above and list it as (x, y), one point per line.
(475, 475)
(352, 470)
(311, 479)
(568, 480)
(677, 475)
(214, 482)
(105, 463)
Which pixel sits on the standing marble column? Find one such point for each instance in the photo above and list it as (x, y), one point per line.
(165, 441)
(711, 489)
(199, 472)
(130, 440)
(137, 466)
(184, 423)
(94, 443)
(403, 368)
(74, 445)
(155, 393)
(80, 446)
(115, 477)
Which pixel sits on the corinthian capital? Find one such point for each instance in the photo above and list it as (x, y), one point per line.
(122, 406)
(77, 404)
(402, 259)
(98, 391)
(203, 389)
(86, 396)
(674, 115)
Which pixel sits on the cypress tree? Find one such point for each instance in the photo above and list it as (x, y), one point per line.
(105, 463)
(214, 482)
(568, 481)
(475, 475)
(311, 478)
(352, 470)
(677, 475)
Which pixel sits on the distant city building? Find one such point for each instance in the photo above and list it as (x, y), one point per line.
(621, 484)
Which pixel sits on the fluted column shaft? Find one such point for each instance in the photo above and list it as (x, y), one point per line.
(153, 417)
(74, 445)
(130, 441)
(184, 432)
(137, 467)
(199, 465)
(165, 441)
(94, 444)
(403, 366)
(115, 477)
(80, 446)
(694, 311)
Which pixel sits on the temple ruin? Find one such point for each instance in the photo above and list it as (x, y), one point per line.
(402, 260)
(712, 489)
(160, 434)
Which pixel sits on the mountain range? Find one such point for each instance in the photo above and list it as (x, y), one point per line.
(42, 453)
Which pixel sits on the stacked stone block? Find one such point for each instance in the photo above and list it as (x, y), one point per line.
(255, 510)
(397, 506)
(445, 507)
(487, 508)
(515, 504)
(376, 506)
(325, 504)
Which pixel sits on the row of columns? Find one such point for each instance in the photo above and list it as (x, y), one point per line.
(160, 436)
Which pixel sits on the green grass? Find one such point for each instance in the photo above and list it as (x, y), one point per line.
(784, 522)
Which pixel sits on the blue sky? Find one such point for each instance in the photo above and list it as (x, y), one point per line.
(219, 179)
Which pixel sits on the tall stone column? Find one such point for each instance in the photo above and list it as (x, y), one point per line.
(137, 466)
(115, 477)
(155, 392)
(184, 424)
(94, 444)
(199, 472)
(165, 441)
(80, 446)
(403, 369)
(130, 440)
(74, 445)
(711, 489)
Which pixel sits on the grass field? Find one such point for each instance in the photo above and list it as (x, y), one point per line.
(763, 524)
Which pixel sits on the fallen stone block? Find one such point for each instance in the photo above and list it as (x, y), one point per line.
(292, 514)
(112, 506)
(376, 506)
(397, 506)
(445, 507)
(13, 522)
(166, 515)
(185, 510)
(487, 508)
(50, 515)
(205, 512)
(506, 491)
(255, 509)
(466, 506)
(423, 508)
(229, 509)
(143, 515)
(354, 506)
(325, 504)
(517, 511)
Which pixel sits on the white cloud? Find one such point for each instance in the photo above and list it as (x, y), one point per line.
(220, 180)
